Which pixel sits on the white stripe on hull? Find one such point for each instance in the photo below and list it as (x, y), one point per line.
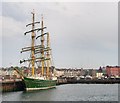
(40, 88)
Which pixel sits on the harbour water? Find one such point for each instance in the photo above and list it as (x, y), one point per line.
(68, 92)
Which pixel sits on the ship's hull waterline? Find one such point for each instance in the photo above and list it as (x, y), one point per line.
(37, 84)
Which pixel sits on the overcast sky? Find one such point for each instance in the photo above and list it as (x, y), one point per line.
(83, 34)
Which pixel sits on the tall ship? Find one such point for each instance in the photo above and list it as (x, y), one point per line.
(39, 60)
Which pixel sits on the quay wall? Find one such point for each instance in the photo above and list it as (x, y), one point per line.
(18, 85)
(8, 86)
(86, 81)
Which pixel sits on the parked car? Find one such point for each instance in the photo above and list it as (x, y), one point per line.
(82, 77)
(88, 77)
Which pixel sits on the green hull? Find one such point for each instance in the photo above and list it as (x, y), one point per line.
(37, 84)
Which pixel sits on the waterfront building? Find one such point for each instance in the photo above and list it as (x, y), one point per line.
(99, 75)
(113, 71)
(94, 74)
(68, 72)
(72, 72)
(0, 71)
(82, 72)
(88, 72)
(59, 72)
(4, 72)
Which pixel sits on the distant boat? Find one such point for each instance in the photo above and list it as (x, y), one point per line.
(40, 58)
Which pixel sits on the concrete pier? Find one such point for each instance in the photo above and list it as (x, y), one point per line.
(13, 85)
(18, 85)
(70, 80)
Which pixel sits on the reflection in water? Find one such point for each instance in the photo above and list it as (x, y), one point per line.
(68, 92)
(41, 95)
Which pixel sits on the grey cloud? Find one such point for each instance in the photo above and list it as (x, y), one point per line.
(81, 33)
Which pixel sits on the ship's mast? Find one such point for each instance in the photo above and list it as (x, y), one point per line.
(48, 54)
(32, 45)
(44, 51)
(42, 43)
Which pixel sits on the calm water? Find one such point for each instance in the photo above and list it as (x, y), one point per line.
(68, 92)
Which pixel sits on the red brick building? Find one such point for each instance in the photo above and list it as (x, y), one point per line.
(113, 70)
